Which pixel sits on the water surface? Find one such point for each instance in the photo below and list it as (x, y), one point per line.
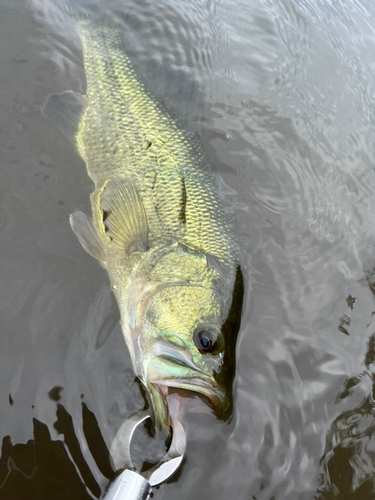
(282, 95)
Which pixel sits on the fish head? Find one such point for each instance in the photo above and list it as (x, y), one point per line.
(186, 342)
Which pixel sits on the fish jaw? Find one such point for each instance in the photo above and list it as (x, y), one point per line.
(176, 371)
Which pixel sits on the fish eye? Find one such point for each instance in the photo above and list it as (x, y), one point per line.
(205, 341)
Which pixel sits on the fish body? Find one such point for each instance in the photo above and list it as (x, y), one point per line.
(160, 225)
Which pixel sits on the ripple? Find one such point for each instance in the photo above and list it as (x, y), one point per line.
(286, 90)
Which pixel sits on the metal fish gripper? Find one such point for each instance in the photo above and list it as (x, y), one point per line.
(132, 485)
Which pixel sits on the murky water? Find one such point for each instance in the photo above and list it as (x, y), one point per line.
(284, 92)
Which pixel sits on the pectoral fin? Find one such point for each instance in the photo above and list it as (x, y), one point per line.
(65, 111)
(87, 235)
(124, 216)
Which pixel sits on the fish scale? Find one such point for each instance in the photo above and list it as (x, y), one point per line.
(115, 91)
(160, 225)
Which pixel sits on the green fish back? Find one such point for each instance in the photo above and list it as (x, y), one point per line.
(122, 118)
(123, 130)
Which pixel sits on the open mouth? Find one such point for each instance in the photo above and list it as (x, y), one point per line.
(194, 384)
(173, 368)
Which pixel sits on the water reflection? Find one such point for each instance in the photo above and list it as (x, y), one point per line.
(286, 88)
(347, 468)
(44, 468)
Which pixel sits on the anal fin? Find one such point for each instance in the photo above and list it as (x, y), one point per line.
(124, 216)
(87, 235)
(65, 111)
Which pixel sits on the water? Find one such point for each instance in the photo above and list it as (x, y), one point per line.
(284, 92)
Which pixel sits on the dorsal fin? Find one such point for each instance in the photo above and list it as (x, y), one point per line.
(124, 216)
(86, 233)
(65, 111)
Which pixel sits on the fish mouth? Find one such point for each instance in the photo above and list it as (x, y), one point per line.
(173, 368)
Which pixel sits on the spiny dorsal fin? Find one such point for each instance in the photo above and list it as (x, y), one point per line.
(87, 235)
(65, 111)
(124, 216)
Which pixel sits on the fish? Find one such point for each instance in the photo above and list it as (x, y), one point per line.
(161, 226)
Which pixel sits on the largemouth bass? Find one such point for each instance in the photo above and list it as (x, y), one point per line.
(160, 226)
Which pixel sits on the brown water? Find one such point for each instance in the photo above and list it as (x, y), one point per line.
(285, 90)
